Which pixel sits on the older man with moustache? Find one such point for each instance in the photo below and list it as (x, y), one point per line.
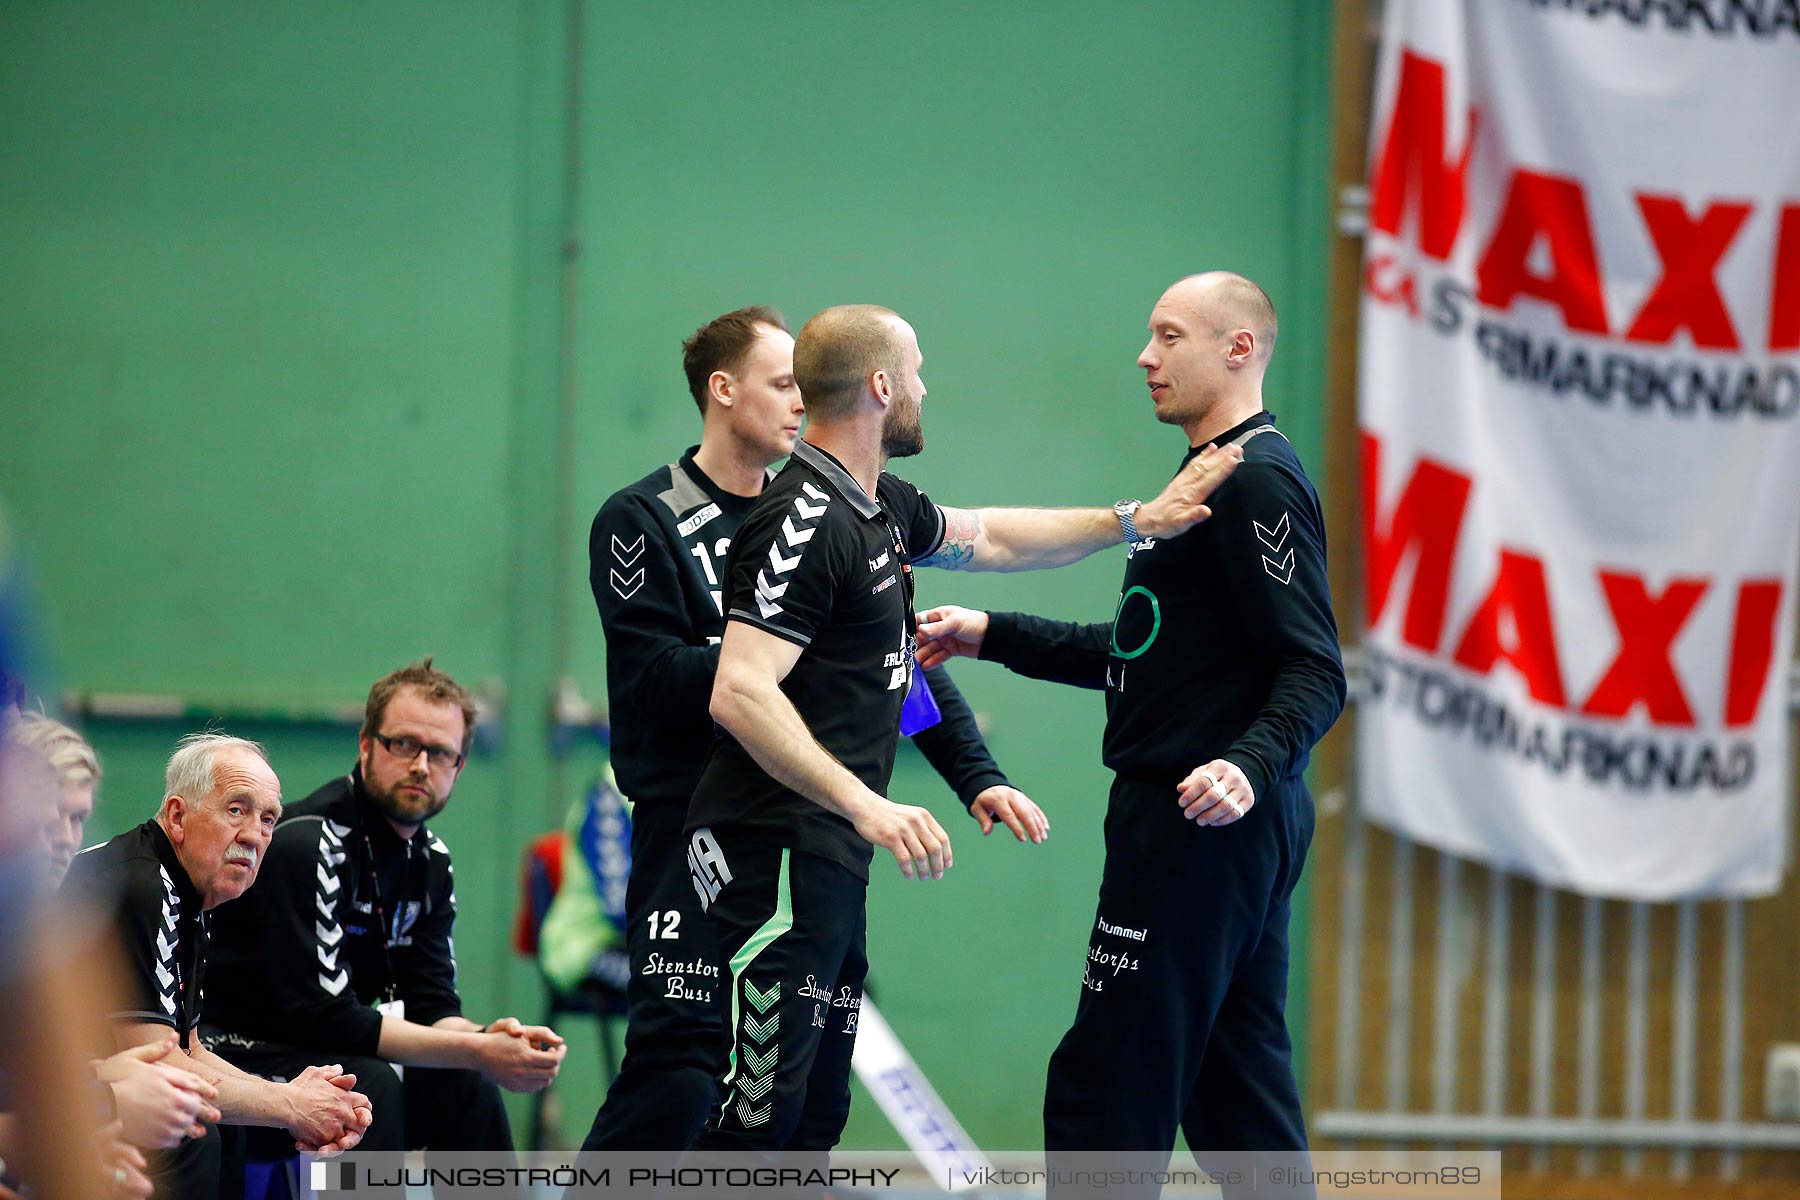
(158, 882)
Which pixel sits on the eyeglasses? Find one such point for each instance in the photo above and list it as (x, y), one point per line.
(406, 748)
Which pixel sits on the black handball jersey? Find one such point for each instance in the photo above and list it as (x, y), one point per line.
(824, 565)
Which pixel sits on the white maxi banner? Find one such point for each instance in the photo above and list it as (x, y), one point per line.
(1580, 426)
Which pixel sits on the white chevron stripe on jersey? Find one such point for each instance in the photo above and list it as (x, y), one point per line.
(766, 599)
(329, 930)
(167, 945)
(780, 563)
(794, 535)
(810, 511)
(786, 549)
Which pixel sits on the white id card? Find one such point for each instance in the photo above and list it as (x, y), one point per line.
(394, 1008)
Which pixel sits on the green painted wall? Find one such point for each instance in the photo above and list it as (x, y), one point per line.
(283, 313)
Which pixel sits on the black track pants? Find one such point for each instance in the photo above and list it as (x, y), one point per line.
(675, 1025)
(1181, 1013)
(432, 1108)
(192, 1169)
(791, 930)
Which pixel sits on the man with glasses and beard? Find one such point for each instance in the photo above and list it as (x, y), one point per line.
(343, 952)
(813, 670)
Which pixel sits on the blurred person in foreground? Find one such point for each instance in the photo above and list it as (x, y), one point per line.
(51, 1135)
(158, 883)
(150, 1103)
(344, 950)
(48, 988)
(77, 775)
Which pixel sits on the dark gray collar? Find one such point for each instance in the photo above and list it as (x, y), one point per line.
(839, 479)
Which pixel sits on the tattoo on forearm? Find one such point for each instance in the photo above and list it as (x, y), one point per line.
(961, 527)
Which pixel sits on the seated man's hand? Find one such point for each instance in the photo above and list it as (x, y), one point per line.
(946, 632)
(541, 1036)
(325, 1115)
(1181, 505)
(1012, 807)
(158, 1104)
(515, 1060)
(122, 1165)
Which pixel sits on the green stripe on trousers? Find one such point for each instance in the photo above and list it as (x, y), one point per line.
(779, 922)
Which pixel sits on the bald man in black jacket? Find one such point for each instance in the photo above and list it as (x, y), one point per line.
(1221, 670)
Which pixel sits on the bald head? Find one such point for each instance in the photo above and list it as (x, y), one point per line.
(1227, 302)
(839, 349)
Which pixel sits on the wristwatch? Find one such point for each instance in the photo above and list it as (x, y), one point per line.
(1126, 510)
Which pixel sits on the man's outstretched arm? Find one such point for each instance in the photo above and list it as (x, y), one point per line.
(1036, 647)
(1027, 539)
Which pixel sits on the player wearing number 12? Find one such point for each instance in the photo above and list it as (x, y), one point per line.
(656, 557)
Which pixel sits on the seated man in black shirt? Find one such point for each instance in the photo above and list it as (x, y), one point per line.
(160, 882)
(814, 667)
(656, 551)
(1221, 672)
(345, 948)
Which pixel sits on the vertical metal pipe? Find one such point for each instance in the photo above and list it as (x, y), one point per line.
(1587, 1102)
(1450, 959)
(1543, 1013)
(568, 375)
(1637, 1027)
(1399, 1024)
(1350, 953)
(1681, 1069)
(1499, 987)
(568, 340)
(1731, 1033)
